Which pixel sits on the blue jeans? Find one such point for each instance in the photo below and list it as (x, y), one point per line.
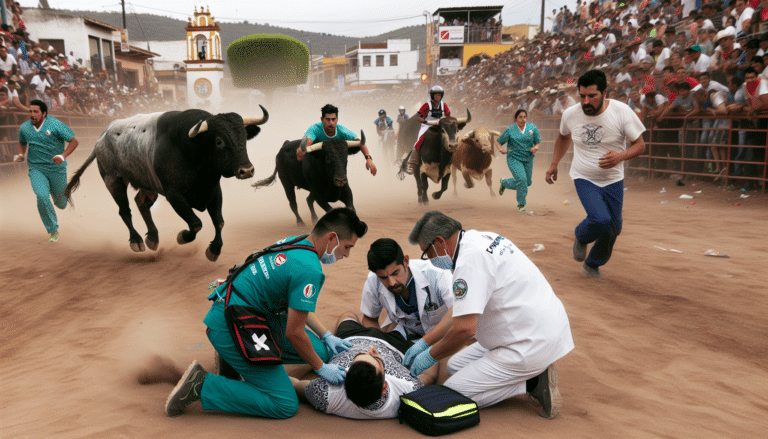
(603, 222)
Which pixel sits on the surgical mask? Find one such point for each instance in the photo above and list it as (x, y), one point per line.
(330, 258)
(445, 262)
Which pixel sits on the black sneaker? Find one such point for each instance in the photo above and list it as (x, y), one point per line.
(546, 393)
(579, 250)
(594, 273)
(187, 390)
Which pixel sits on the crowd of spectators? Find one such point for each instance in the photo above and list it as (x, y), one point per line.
(665, 59)
(67, 85)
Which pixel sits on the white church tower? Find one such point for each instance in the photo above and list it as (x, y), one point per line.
(205, 66)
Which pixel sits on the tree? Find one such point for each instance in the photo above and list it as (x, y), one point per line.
(268, 61)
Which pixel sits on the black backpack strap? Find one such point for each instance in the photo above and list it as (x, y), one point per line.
(274, 248)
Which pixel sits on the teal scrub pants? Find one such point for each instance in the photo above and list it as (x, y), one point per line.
(522, 172)
(47, 183)
(265, 391)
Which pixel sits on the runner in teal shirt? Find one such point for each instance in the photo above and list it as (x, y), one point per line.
(285, 286)
(328, 128)
(46, 136)
(523, 140)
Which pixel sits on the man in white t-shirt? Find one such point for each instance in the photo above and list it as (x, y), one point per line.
(504, 302)
(7, 62)
(636, 53)
(416, 295)
(743, 14)
(564, 100)
(376, 377)
(599, 129)
(699, 62)
(661, 54)
(40, 81)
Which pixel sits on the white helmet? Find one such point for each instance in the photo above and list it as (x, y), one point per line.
(401, 108)
(436, 90)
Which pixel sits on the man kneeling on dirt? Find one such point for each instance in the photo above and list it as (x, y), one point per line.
(376, 377)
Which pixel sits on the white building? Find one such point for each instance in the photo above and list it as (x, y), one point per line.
(373, 65)
(89, 39)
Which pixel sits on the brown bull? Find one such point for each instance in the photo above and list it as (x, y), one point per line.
(473, 157)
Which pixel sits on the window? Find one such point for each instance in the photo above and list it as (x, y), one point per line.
(392, 60)
(379, 60)
(367, 61)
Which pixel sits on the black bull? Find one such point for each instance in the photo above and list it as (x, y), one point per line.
(322, 172)
(436, 151)
(181, 155)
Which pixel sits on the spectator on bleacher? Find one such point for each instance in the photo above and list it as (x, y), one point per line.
(40, 81)
(636, 54)
(745, 58)
(11, 87)
(697, 61)
(683, 106)
(7, 62)
(712, 103)
(721, 65)
(743, 14)
(662, 55)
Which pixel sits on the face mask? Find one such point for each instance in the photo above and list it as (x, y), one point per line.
(330, 258)
(445, 262)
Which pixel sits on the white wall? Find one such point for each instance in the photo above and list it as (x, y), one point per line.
(175, 51)
(73, 30)
(407, 62)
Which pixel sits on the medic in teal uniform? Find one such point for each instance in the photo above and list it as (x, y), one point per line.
(286, 286)
(46, 136)
(523, 140)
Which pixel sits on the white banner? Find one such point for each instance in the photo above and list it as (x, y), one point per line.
(451, 34)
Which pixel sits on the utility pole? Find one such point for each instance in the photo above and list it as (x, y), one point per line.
(123, 3)
(541, 25)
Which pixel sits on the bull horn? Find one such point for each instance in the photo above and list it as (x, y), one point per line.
(470, 134)
(201, 127)
(255, 120)
(357, 143)
(433, 123)
(465, 119)
(494, 133)
(311, 148)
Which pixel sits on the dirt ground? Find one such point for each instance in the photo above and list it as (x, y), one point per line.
(671, 343)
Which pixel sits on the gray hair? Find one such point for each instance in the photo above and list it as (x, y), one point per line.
(431, 225)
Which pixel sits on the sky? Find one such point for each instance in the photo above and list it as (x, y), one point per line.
(336, 17)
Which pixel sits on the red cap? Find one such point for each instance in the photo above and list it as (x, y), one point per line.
(647, 89)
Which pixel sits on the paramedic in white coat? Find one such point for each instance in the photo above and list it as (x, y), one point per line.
(416, 295)
(504, 302)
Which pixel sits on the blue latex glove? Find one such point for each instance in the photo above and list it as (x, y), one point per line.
(417, 348)
(332, 373)
(334, 344)
(422, 362)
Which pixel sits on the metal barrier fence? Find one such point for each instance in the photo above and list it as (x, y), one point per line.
(683, 145)
(87, 130)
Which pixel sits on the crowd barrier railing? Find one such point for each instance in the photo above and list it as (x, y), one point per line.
(87, 129)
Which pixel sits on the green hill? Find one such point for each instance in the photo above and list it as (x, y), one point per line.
(148, 27)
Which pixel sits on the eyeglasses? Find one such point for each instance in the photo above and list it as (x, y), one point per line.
(424, 255)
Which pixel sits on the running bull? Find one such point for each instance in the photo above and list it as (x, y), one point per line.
(474, 156)
(181, 155)
(322, 172)
(437, 148)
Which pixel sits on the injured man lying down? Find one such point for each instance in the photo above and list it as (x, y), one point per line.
(376, 377)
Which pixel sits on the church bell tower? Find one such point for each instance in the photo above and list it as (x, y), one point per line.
(205, 66)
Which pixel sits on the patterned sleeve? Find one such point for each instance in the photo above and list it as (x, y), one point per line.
(22, 138)
(447, 110)
(424, 111)
(64, 132)
(504, 138)
(536, 135)
(317, 394)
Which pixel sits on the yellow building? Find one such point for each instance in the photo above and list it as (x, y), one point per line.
(462, 36)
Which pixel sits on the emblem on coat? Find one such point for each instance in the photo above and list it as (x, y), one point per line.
(309, 291)
(280, 259)
(459, 288)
